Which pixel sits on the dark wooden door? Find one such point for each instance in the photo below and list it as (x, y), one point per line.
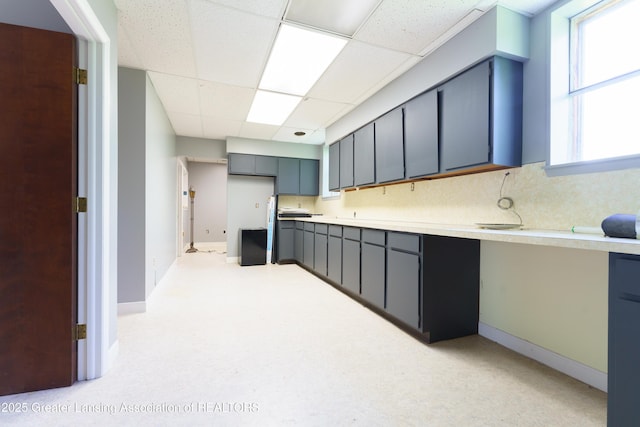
(37, 226)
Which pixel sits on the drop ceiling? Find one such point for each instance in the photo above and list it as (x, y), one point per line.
(205, 58)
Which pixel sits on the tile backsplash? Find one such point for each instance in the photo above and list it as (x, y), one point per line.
(555, 203)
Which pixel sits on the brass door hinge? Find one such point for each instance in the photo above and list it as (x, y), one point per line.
(80, 332)
(80, 204)
(80, 76)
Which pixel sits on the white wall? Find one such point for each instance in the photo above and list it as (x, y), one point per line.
(209, 180)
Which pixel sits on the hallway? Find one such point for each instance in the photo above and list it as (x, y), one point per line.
(273, 345)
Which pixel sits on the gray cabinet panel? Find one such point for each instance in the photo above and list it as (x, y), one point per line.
(320, 254)
(465, 119)
(309, 177)
(288, 181)
(351, 265)
(421, 135)
(309, 246)
(404, 241)
(373, 274)
(334, 258)
(624, 346)
(242, 164)
(335, 230)
(266, 165)
(334, 166)
(351, 233)
(286, 241)
(376, 237)
(403, 287)
(299, 242)
(364, 166)
(346, 162)
(389, 147)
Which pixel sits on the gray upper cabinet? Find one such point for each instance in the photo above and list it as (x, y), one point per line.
(288, 181)
(481, 117)
(364, 166)
(421, 135)
(309, 177)
(389, 147)
(242, 164)
(334, 166)
(266, 165)
(346, 162)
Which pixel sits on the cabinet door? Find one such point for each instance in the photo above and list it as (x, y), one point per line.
(465, 118)
(389, 147)
(288, 181)
(320, 254)
(286, 241)
(624, 346)
(364, 165)
(373, 274)
(309, 243)
(421, 135)
(242, 164)
(334, 166)
(403, 287)
(299, 242)
(266, 165)
(346, 162)
(334, 259)
(351, 265)
(309, 178)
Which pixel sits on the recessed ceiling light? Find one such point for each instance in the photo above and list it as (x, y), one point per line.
(299, 133)
(272, 108)
(298, 58)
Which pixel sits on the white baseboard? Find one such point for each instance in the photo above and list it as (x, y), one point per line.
(125, 308)
(577, 370)
(233, 260)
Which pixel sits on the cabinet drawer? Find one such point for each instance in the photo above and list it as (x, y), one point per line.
(321, 229)
(299, 225)
(404, 242)
(309, 226)
(352, 233)
(335, 230)
(286, 224)
(627, 286)
(375, 237)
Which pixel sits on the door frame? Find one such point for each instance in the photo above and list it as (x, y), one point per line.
(97, 176)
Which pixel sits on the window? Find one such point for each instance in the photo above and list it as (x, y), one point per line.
(595, 112)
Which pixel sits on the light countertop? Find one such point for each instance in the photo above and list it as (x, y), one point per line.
(557, 238)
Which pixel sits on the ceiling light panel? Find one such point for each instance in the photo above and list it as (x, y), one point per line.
(272, 108)
(338, 16)
(231, 46)
(298, 58)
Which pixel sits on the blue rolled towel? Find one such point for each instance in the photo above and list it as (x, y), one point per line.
(620, 225)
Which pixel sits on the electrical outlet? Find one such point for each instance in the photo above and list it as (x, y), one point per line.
(257, 205)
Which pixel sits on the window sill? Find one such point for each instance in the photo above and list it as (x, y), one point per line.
(594, 166)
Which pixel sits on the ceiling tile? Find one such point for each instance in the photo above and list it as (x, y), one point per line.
(160, 36)
(231, 102)
(217, 128)
(358, 68)
(411, 25)
(258, 131)
(127, 56)
(178, 94)
(269, 8)
(231, 46)
(314, 114)
(186, 124)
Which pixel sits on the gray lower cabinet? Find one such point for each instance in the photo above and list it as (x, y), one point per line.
(390, 147)
(403, 277)
(286, 241)
(351, 259)
(372, 281)
(334, 254)
(624, 345)
(309, 245)
(299, 242)
(320, 250)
